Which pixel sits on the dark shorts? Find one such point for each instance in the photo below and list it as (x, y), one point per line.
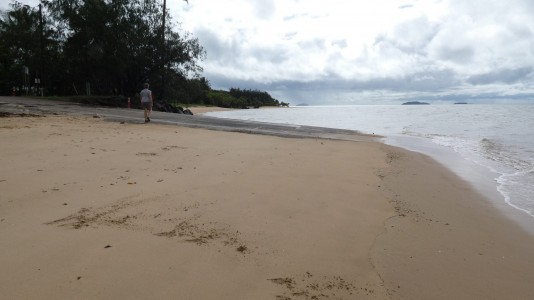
(146, 105)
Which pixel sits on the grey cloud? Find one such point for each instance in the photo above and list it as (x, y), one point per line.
(264, 9)
(290, 35)
(315, 44)
(422, 82)
(340, 43)
(271, 55)
(301, 16)
(460, 55)
(483, 97)
(225, 82)
(439, 86)
(230, 53)
(225, 52)
(410, 37)
(520, 31)
(501, 76)
(419, 81)
(291, 17)
(209, 41)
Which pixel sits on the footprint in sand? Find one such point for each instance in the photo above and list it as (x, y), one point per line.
(319, 287)
(147, 154)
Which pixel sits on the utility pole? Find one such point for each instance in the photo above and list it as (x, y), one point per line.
(163, 51)
(41, 46)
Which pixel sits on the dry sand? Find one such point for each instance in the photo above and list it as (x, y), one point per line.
(97, 210)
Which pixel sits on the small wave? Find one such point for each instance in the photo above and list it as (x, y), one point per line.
(407, 131)
(490, 146)
(515, 181)
(518, 189)
(458, 144)
(506, 156)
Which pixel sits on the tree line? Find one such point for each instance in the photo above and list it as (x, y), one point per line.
(237, 98)
(106, 48)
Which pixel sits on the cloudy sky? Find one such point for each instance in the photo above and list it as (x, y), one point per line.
(358, 51)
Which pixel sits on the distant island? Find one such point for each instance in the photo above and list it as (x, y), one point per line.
(415, 103)
(460, 103)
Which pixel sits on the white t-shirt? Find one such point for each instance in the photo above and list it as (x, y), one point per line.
(145, 95)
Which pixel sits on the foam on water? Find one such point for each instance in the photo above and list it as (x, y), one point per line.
(514, 187)
(514, 170)
(499, 138)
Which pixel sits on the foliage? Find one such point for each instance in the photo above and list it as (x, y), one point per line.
(254, 98)
(111, 46)
(107, 48)
(237, 98)
(23, 46)
(221, 99)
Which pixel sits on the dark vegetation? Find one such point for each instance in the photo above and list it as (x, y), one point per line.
(415, 103)
(102, 51)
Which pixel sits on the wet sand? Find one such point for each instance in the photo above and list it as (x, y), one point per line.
(96, 209)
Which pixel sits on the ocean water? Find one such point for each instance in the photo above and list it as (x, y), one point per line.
(498, 139)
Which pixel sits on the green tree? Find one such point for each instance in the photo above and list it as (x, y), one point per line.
(115, 45)
(25, 44)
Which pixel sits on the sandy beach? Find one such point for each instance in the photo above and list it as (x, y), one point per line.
(92, 209)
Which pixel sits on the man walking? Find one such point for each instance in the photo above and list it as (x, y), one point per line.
(146, 101)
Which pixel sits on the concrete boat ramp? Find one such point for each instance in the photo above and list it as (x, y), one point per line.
(37, 106)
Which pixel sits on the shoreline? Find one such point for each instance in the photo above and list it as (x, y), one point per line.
(455, 242)
(284, 217)
(479, 177)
